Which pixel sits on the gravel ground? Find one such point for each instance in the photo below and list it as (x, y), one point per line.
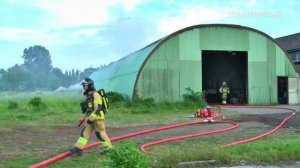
(285, 165)
(47, 142)
(267, 110)
(270, 117)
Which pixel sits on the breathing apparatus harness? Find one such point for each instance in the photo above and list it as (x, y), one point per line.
(89, 93)
(85, 107)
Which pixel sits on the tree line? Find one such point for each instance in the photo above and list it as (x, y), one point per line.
(37, 73)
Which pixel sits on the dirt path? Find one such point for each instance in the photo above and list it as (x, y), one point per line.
(48, 142)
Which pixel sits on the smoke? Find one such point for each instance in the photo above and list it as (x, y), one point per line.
(125, 35)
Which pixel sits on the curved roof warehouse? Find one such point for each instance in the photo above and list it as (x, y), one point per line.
(255, 67)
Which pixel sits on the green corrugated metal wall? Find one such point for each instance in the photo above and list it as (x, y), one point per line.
(176, 63)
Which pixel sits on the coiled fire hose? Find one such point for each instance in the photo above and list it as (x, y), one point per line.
(143, 147)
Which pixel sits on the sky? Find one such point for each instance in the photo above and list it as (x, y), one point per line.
(89, 33)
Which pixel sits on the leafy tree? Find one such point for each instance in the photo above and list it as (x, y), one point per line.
(77, 74)
(37, 59)
(37, 72)
(88, 71)
(2, 73)
(19, 78)
(58, 73)
(53, 82)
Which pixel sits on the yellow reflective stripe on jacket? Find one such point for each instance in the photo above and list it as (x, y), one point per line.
(98, 101)
(98, 117)
(224, 90)
(90, 105)
(95, 101)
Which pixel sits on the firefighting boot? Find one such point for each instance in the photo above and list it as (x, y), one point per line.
(106, 145)
(76, 152)
(104, 152)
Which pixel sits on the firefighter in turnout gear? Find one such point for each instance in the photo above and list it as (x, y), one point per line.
(224, 91)
(95, 120)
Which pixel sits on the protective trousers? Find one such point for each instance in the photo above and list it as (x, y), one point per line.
(224, 98)
(224, 91)
(99, 127)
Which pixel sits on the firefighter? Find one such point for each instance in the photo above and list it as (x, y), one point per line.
(95, 121)
(224, 91)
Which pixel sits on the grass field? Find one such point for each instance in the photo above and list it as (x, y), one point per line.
(30, 133)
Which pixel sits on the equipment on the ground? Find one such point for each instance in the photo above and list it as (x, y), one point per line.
(204, 113)
(210, 112)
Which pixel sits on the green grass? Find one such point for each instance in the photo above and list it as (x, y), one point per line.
(19, 117)
(20, 162)
(55, 108)
(267, 150)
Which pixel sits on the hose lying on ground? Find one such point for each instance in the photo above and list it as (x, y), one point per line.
(143, 147)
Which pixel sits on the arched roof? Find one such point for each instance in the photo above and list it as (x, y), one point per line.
(122, 76)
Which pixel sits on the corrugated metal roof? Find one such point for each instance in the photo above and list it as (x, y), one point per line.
(120, 75)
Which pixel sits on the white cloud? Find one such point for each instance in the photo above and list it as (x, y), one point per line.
(56, 36)
(15, 34)
(68, 13)
(65, 20)
(189, 16)
(250, 4)
(130, 5)
(87, 32)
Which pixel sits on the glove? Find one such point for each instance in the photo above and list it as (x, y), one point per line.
(84, 107)
(89, 121)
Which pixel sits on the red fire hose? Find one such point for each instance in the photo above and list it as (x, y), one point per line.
(235, 125)
(267, 133)
(219, 131)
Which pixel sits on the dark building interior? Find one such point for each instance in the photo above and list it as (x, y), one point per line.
(228, 66)
(282, 91)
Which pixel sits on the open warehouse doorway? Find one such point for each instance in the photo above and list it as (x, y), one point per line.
(228, 66)
(282, 90)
